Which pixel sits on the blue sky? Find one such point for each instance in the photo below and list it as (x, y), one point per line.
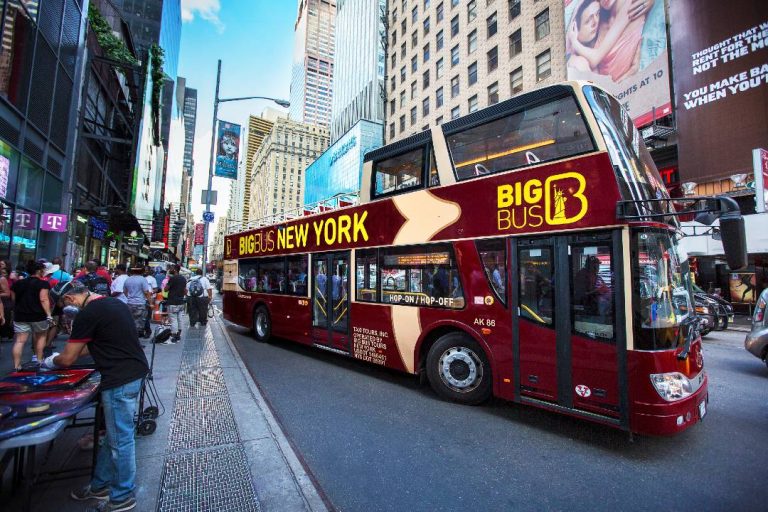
(254, 40)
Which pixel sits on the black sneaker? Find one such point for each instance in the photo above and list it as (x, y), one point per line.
(114, 506)
(86, 493)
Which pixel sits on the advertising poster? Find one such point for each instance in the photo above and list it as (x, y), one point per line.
(227, 150)
(720, 62)
(621, 45)
(199, 233)
(743, 287)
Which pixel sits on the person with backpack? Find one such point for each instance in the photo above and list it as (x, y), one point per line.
(94, 281)
(199, 295)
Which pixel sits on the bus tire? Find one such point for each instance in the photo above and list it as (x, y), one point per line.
(262, 324)
(458, 369)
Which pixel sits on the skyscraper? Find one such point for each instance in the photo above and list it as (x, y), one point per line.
(358, 65)
(312, 69)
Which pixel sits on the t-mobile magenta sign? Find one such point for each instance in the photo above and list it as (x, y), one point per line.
(53, 222)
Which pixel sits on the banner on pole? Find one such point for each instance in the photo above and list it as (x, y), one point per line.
(227, 150)
(199, 233)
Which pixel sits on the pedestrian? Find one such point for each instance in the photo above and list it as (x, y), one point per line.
(33, 313)
(103, 271)
(137, 294)
(53, 330)
(61, 275)
(92, 280)
(199, 295)
(106, 327)
(160, 275)
(175, 288)
(118, 283)
(6, 330)
(152, 282)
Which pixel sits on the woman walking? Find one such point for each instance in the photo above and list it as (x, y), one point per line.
(6, 330)
(33, 312)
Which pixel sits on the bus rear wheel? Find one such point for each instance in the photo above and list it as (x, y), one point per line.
(262, 324)
(458, 369)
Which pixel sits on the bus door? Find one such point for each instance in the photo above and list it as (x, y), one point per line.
(330, 300)
(567, 309)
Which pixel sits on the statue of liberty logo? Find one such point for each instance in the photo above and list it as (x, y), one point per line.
(560, 200)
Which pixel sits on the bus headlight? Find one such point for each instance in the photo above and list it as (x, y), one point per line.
(671, 386)
(704, 310)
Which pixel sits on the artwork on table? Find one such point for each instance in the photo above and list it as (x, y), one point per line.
(23, 382)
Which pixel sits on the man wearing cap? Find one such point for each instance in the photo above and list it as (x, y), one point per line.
(137, 294)
(105, 328)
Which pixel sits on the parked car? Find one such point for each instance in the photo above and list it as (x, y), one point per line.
(757, 340)
(722, 309)
(705, 311)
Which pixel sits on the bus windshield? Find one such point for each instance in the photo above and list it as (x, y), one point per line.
(660, 294)
(635, 171)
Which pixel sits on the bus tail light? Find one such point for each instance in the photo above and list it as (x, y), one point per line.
(671, 386)
(486, 331)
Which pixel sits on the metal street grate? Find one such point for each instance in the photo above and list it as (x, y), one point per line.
(201, 422)
(193, 358)
(198, 344)
(199, 382)
(217, 479)
(194, 333)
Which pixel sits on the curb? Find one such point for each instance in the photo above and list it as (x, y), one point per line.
(313, 498)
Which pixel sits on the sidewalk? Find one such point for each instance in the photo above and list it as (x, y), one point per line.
(217, 446)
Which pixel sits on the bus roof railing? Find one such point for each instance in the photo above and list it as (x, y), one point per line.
(326, 205)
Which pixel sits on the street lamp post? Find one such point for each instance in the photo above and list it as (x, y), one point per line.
(216, 101)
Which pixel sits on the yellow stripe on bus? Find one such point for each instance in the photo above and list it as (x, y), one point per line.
(507, 153)
(534, 315)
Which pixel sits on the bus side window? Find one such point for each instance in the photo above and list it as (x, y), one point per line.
(536, 301)
(247, 276)
(592, 291)
(493, 255)
(401, 172)
(297, 275)
(366, 273)
(434, 177)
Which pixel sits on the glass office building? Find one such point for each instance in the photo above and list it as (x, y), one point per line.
(340, 169)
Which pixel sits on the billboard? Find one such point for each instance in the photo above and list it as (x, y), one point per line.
(720, 64)
(227, 150)
(621, 45)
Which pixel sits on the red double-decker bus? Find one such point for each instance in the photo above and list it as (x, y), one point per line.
(528, 251)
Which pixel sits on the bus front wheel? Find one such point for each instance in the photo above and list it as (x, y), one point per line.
(262, 324)
(458, 369)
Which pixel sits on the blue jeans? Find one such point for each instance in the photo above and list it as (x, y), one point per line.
(116, 460)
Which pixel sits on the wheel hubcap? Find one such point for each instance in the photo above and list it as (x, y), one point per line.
(461, 369)
(261, 324)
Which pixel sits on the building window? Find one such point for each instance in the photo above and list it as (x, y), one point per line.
(472, 42)
(471, 10)
(439, 69)
(413, 90)
(455, 26)
(414, 64)
(415, 14)
(403, 27)
(439, 120)
(454, 55)
(426, 25)
(454, 3)
(391, 130)
(493, 58)
(425, 107)
(402, 99)
(414, 39)
(394, 15)
(493, 93)
(542, 24)
(440, 12)
(472, 104)
(403, 50)
(440, 40)
(414, 114)
(455, 112)
(402, 75)
(472, 73)
(439, 98)
(426, 4)
(394, 37)
(402, 124)
(391, 107)
(393, 61)
(392, 83)
(514, 9)
(425, 79)
(515, 43)
(492, 25)
(543, 65)
(425, 52)
(455, 86)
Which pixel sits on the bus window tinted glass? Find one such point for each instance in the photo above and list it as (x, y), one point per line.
(434, 178)
(247, 276)
(635, 171)
(297, 275)
(592, 292)
(493, 255)
(536, 285)
(402, 172)
(540, 134)
(271, 276)
(421, 276)
(366, 272)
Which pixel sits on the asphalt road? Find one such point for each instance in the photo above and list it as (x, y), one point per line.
(377, 440)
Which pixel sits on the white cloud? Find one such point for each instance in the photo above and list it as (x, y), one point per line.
(206, 9)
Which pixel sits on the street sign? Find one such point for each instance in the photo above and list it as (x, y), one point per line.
(208, 216)
(214, 197)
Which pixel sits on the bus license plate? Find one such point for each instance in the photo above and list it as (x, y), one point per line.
(702, 409)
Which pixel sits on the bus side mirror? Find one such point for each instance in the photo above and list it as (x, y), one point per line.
(734, 240)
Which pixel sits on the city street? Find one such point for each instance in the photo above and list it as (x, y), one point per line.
(377, 440)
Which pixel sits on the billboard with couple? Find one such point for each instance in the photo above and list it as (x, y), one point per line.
(621, 45)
